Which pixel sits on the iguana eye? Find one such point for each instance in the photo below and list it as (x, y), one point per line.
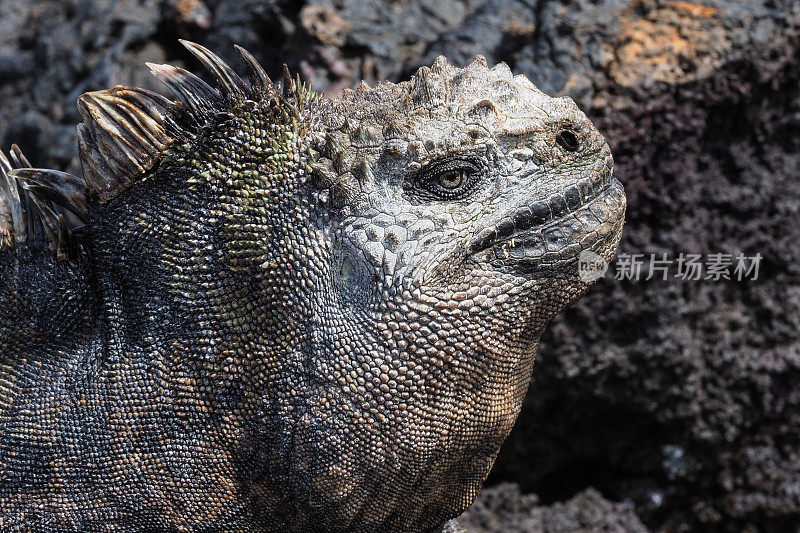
(452, 179)
(568, 140)
(448, 179)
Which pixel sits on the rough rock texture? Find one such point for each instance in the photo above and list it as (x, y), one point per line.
(682, 396)
(503, 508)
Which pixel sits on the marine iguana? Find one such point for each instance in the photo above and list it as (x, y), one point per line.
(282, 312)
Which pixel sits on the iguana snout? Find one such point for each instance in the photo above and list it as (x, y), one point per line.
(545, 229)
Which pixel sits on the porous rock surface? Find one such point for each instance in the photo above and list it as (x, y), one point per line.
(503, 508)
(669, 403)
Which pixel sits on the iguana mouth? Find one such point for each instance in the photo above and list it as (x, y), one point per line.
(527, 225)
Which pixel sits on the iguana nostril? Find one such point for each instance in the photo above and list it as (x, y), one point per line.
(568, 140)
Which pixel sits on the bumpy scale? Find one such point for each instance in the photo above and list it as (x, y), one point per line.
(282, 312)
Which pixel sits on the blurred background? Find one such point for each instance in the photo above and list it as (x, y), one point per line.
(662, 404)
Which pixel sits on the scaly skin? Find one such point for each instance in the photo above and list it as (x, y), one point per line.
(307, 315)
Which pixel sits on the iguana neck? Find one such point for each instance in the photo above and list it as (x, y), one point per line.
(200, 266)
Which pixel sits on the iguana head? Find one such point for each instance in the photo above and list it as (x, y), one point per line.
(344, 295)
(462, 177)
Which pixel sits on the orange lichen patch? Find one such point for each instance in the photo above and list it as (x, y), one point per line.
(325, 24)
(674, 43)
(573, 81)
(696, 10)
(517, 28)
(193, 12)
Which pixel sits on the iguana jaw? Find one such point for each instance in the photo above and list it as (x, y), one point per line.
(584, 215)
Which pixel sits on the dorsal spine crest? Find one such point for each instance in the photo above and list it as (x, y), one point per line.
(125, 133)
